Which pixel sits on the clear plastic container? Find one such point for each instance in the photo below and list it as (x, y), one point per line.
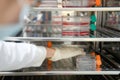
(72, 20)
(86, 63)
(113, 3)
(75, 34)
(49, 3)
(58, 24)
(78, 3)
(56, 29)
(113, 19)
(76, 26)
(56, 18)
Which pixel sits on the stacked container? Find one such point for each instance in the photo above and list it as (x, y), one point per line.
(86, 63)
(113, 3)
(76, 24)
(80, 3)
(56, 24)
(113, 19)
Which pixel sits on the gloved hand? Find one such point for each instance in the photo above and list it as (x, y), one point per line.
(63, 53)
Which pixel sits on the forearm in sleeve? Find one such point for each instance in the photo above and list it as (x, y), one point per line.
(15, 56)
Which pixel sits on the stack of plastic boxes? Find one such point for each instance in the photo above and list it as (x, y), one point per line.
(32, 27)
(60, 24)
(75, 24)
(49, 3)
(77, 3)
(86, 63)
(56, 24)
(113, 19)
(113, 3)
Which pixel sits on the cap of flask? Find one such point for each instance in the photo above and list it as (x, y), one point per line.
(98, 2)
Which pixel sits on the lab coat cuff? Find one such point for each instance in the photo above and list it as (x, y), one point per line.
(41, 56)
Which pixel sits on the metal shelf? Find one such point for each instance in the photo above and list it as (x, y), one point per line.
(60, 73)
(62, 39)
(79, 9)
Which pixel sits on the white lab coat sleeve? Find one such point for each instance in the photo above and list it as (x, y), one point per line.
(15, 56)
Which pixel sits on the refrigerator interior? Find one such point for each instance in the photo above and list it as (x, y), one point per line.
(58, 24)
(74, 24)
(107, 51)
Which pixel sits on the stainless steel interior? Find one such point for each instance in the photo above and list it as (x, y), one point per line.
(106, 43)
